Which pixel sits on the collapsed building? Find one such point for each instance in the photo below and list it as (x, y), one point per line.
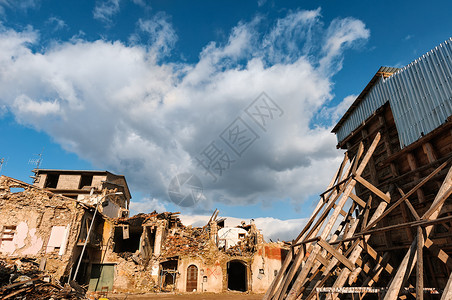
(383, 226)
(75, 226)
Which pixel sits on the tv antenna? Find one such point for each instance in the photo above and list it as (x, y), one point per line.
(37, 162)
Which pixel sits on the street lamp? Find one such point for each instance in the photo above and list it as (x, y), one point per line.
(89, 231)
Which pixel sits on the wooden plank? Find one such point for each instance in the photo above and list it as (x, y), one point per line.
(413, 167)
(437, 206)
(373, 188)
(420, 265)
(342, 212)
(366, 213)
(322, 260)
(408, 204)
(336, 254)
(358, 200)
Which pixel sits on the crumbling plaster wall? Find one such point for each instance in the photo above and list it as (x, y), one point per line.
(133, 271)
(34, 213)
(267, 259)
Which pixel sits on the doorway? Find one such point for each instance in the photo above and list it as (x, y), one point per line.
(192, 278)
(237, 276)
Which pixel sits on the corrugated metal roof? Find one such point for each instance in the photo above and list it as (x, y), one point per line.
(420, 96)
(383, 72)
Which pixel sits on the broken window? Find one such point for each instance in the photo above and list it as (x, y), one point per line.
(124, 244)
(86, 181)
(7, 236)
(8, 233)
(168, 273)
(52, 181)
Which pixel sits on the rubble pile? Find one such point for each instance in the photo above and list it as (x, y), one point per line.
(186, 241)
(22, 279)
(246, 246)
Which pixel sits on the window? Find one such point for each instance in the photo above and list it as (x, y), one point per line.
(8, 233)
(241, 235)
(86, 181)
(52, 181)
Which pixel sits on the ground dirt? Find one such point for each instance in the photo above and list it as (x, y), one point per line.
(197, 296)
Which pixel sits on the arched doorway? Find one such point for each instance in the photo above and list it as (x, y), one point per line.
(192, 278)
(237, 276)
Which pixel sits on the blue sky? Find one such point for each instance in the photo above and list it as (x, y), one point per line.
(142, 88)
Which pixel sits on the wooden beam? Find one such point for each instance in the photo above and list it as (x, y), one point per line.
(420, 265)
(437, 206)
(430, 152)
(372, 188)
(358, 200)
(336, 254)
(413, 167)
(322, 260)
(409, 205)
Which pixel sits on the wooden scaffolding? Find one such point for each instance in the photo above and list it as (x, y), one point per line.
(335, 255)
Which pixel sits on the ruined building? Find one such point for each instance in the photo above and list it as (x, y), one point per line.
(75, 225)
(383, 227)
(83, 185)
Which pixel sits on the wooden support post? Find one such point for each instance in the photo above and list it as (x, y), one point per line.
(430, 152)
(413, 166)
(420, 265)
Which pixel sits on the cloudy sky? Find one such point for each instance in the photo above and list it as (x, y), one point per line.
(241, 95)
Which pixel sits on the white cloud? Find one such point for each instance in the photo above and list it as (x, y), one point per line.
(105, 10)
(57, 23)
(146, 205)
(18, 4)
(341, 34)
(336, 112)
(159, 32)
(124, 110)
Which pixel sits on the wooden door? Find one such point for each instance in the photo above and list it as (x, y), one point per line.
(192, 278)
(102, 276)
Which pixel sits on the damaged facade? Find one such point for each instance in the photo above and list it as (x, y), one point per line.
(156, 252)
(383, 226)
(75, 226)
